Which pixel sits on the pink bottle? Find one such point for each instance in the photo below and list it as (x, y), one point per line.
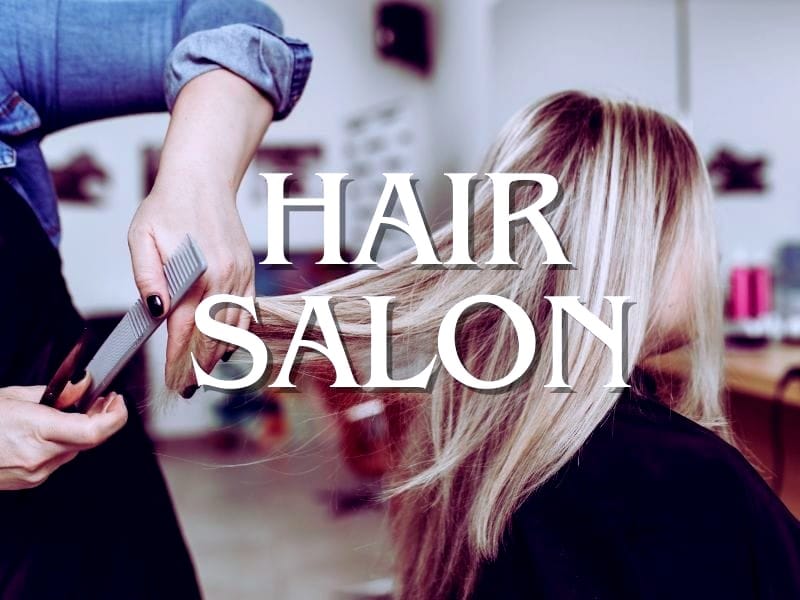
(739, 297)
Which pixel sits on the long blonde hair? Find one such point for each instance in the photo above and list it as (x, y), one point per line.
(635, 214)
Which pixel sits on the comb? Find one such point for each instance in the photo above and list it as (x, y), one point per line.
(182, 270)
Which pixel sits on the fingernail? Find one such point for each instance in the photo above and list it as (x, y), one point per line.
(155, 305)
(189, 391)
(77, 376)
(227, 356)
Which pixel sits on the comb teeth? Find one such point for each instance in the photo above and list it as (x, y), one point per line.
(183, 265)
(138, 318)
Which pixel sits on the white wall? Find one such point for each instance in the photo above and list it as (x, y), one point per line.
(616, 47)
(745, 93)
(744, 80)
(347, 75)
(461, 98)
(497, 56)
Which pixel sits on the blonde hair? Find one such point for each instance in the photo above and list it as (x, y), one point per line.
(635, 214)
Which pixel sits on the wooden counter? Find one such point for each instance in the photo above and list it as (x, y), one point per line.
(749, 372)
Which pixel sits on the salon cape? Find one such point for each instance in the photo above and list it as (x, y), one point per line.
(653, 506)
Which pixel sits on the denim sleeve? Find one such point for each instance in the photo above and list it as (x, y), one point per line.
(82, 60)
(277, 66)
(245, 37)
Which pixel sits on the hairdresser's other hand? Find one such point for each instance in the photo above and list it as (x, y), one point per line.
(36, 440)
(217, 122)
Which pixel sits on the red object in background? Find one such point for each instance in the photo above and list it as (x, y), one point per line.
(750, 293)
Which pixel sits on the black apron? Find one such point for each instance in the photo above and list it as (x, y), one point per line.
(103, 525)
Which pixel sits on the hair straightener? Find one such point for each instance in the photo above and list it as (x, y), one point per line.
(182, 270)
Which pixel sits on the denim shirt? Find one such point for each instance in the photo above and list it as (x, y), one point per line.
(64, 62)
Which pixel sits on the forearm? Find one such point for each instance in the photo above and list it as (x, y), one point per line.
(218, 121)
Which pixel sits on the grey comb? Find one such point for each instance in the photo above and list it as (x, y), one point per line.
(182, 270)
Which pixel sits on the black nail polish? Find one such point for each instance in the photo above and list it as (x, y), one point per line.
(189, 391)
(227, 356)
(155, 306)
(77, 376)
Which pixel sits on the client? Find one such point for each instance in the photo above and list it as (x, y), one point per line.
(597, 493)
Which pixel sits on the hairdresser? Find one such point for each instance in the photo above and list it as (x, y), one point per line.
(84, 511)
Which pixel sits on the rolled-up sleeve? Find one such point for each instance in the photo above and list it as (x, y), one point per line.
(276, 65)
(80, 60)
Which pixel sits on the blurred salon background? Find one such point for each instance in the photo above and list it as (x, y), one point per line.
(276, 494)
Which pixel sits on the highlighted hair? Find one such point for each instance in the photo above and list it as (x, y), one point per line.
(635, 219)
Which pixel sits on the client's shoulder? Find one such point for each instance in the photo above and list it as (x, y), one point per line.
(645, 458)
(645, 438)
(654, 501)
(643, 447)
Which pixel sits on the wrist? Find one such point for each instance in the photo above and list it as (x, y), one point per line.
(197, 184)
(216, 126)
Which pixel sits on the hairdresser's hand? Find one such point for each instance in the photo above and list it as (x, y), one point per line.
(218, 121)
(161, 223)
(35, 440)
